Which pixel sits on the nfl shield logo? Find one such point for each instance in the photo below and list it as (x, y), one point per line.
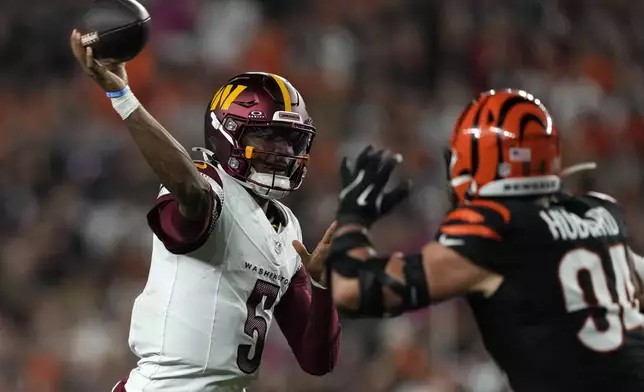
(278, 246)
(519, 154)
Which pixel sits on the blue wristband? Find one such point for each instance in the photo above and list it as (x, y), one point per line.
(118, 94)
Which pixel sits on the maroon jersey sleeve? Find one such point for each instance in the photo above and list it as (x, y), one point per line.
(179, 234)
(309, 321)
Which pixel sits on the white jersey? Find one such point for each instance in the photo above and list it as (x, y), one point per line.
(201, 321)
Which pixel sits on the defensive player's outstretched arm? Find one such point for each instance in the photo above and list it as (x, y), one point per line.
(398, 283)
(165, 155)
(373, 286)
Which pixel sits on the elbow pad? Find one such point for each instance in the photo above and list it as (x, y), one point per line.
(414, 292)
(416, 285)
(372, 278)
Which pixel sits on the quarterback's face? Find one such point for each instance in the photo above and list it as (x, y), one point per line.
(272, 140)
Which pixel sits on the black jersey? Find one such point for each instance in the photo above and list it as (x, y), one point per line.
(566, 317)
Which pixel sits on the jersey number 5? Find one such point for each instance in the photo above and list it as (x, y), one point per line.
(256, 324)
(619, 314)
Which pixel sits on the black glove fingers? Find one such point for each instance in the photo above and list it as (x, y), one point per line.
(362, 198)
(374, 162)
(346, 174)
(394, 197)
(387, 167)
(363, 158)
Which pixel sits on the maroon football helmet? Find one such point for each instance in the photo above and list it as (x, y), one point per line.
(265, 106)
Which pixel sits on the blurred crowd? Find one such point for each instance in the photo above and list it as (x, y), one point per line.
(74, 191)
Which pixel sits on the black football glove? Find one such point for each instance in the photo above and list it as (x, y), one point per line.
(363, 199)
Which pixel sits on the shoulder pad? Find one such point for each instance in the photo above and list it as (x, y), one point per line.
(479, 218)
(211, 175)
(208, 170)
(492, 206)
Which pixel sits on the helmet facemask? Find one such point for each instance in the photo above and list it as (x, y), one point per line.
(272, 158)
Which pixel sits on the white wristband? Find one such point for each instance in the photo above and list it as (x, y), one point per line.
(125, 104)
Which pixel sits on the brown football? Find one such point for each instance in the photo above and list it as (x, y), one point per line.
(115, 29)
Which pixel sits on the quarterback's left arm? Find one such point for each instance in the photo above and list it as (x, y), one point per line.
(309, 321)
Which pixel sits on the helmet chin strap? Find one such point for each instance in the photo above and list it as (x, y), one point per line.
(267, 180)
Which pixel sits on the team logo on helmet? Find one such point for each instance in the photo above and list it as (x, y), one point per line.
(504, 143)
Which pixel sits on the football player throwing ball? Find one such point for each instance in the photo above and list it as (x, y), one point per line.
(227, 256)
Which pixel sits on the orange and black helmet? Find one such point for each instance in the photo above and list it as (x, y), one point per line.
(504, 143)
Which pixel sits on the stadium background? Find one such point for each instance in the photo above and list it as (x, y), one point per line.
(74, 246)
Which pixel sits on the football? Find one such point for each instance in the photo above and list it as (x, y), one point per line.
(115, 29)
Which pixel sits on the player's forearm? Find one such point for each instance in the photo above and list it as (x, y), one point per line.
(347, 293)
(321, 338)
(169, 161)
(366, 285)
(310, 324)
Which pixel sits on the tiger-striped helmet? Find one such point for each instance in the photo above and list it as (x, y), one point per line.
(504, 143)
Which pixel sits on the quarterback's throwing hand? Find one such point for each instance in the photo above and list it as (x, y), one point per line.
(363, 199)
(110, 76)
